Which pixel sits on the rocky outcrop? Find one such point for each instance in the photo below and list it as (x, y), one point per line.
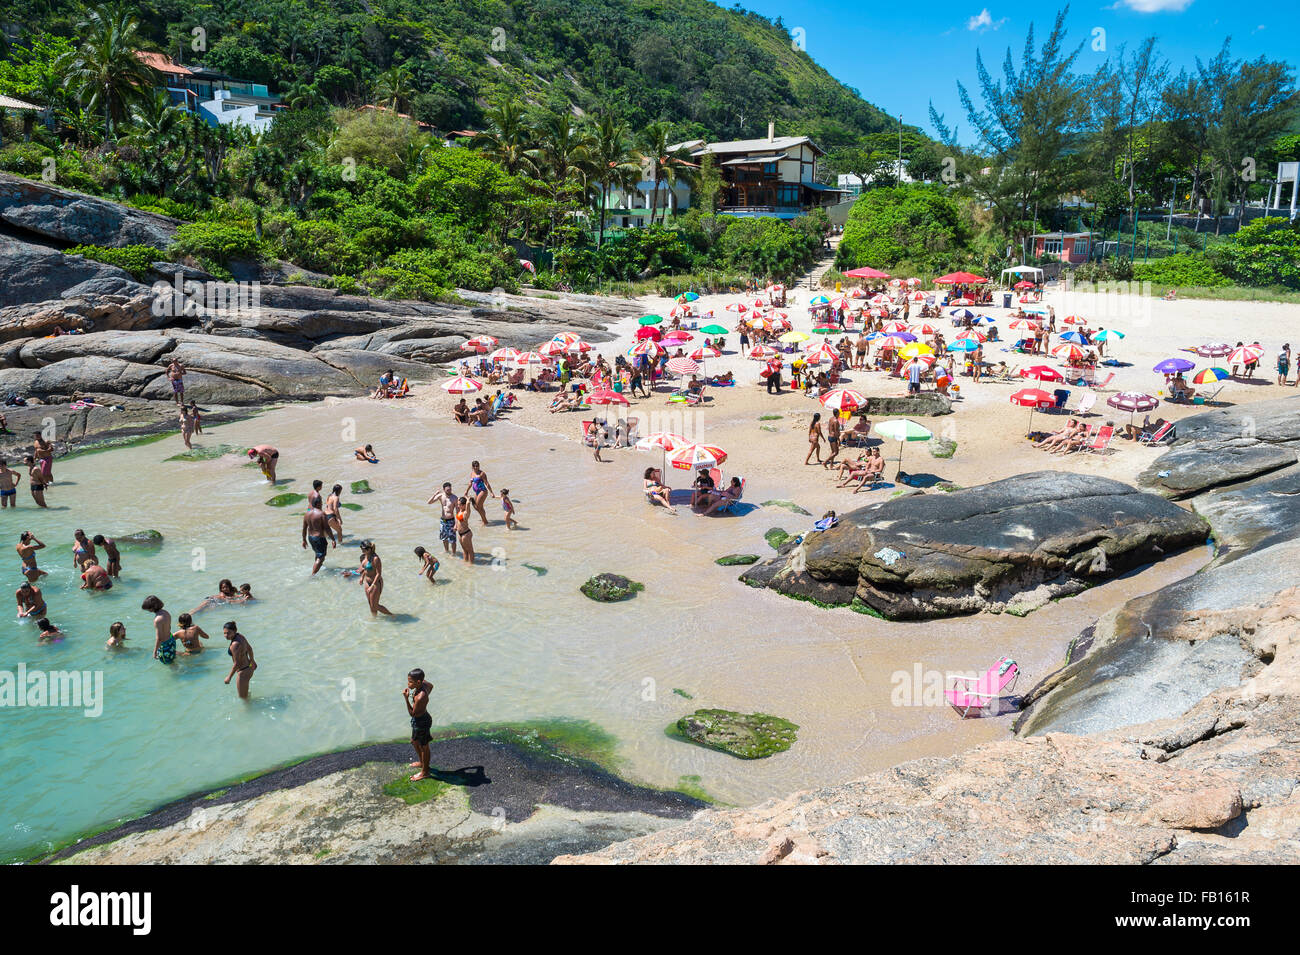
(1006, 546)
(34, 273)
(1227, 446)
(743, 735)
(610, 588)
(74, 218)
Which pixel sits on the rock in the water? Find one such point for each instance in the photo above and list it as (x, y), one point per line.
(288, 499)
(1015, 543)
(732, 560)
(361, 487)
(206, 453)
(1223, 447)
(610, 588)
(745, 735)
(776, 536)
(790, 506)
(140, 539)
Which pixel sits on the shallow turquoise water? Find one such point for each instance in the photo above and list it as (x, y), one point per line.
(499, 641)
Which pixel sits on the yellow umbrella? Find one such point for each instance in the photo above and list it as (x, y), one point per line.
(916, 350)
(789, 337)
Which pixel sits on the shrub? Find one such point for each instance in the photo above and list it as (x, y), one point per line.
(135, 259)
(216, 242)
(25, 159)
(1185, 268)
(886, 226)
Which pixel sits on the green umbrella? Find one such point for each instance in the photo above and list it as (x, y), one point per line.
(649, 319)
(713, 330)
(902, 431)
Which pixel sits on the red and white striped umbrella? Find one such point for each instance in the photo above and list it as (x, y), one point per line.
(774, 288)
(892, 342)
(923, 330)
(1074, 320)
(1024, 325)
(551, 349)
(480, 344)
(816, 350)
(916, 296)
(683, 366)
(461, 384)
(696, 456)
(843, 399)
(677, 311)
(578, 348)
(530, 358)
(758, 303)
(606, 397)
(762, 352)
(962, 301)
(972, 333)
(662, 441)
(504, 354)
(879, 300)
(1068, 351)
(700, 354)
(736, 307)
(893, 328)
(1214, 350)
(648, 348)
(1245, 355)
(895, 283)
(913, 282)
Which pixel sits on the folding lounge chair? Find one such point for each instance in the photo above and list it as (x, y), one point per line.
(1157, 436)
(1062, 396)
(1086, 401)
(969, 693)
(728, 506)
(1100, 441)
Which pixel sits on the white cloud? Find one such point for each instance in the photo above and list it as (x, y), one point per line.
(984, 21)
(1156, 6)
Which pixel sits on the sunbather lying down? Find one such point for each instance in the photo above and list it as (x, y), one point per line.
(1068, 439)
(866, 470)
(1147, 427)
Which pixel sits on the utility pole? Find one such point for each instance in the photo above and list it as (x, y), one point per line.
(899, 178)
(1170, 227)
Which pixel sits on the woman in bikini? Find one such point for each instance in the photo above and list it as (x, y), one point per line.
(333, 512)
(44, 454)
(463, 534)
(241, 658)
(27, 547)
(814, 439)
(82, 549)
(655, 491)
(190, 634)
(372, 578)
(478, 489)
(36, 481)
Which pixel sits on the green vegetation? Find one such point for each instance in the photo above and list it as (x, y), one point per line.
(610, 588)
(776, 536)
(737, 560)
(208, 453)
(287, 499)
(135, 259)
(361, 487)
(414, 793)
(743, 735)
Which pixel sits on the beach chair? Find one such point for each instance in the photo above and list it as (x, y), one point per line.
(970, 693)
(1099, 441)
(516, 380)
(1157, 436)
(726, 508)
(1101, 385)
(1206, 399)
(1062, 396)
(1086, 401)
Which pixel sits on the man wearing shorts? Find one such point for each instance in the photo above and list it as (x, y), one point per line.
(417, 707)
(8, 485)
(176, 375)
(315, 529)
(447, 525)
(914, 370)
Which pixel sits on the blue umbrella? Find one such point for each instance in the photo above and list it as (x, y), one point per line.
(962, 313)
(1171, 365)
(1074, 337)
(964, 344)
(1106, 334)
(906, 336)
(983, 320)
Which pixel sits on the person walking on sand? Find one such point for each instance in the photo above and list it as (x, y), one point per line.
(447, 526)
(371, 572)
(267, 457)
(478, 489)
(814, 439)
(8, 485)
(315, 529)
(27, 547)
(241, 658)
(334, 511)
(35, 481)
(416, 696)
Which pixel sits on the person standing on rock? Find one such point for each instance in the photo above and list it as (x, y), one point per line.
(417, 707)
(176, 375)
(241, 658)
(267, 457)
(316, 528)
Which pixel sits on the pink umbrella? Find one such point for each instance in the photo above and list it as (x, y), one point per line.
(677, 337)
(606, 397)
(461, 384)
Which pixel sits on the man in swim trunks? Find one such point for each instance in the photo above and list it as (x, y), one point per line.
(8, 485)
(316, 528)
(267, 457)
(36, 481)
(447, 527)
(31, 602)
(417, 707)
(176, 375)
(111, 554)
(314, 498)
(162, 624)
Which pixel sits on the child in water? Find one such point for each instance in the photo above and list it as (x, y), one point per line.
(116, 636)
(49, 632)
(428, 563)
(508, 506)
(366, 454)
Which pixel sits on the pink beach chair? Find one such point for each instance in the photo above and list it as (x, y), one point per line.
(978, 694)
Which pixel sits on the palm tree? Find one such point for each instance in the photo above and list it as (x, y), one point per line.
(303, 96)
(106, 69)
(393, 88)
(563, 157)
(155, 128)
(663, 162)
(83, 123)
(613, 161)
(508, 140)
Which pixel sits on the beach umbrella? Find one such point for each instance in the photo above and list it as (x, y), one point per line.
(1172, 366)
(480, 344)
(843, 399)
(1023, 284)
(577, 348)
(826, 330)
(551, 349)
(758, 303)
(964, 344)
(677, 337)
(820, 351)
(1068, 351)
(1042, 373)
(649, 319)
(892, 342)
(1074, 320)
(683, 366)
(1133, 402)
(530, 358)
(902, 432)
(783, 317)
(962, 301)
(790, 337)
(762, 352)
(775, 288)
(866, 273)
(736, 307)
(713, 330)
(693, 456)
(1038, 310)
(1210, 375)
(962, 313)
(896, 283)
(819, 300)
(1076, 337)
(649, 333)
(917, 296)
(894, 328)
(678, 311)
(878, 300)
(687, 297)
(1024, 325)
(913, 282)
(1032, 398)
(916, 350)
(606, 397)
(663, 441)
(960, 278)
(462, 384)
(1245, 355)
(1106, 334)
(504, 354)
(700, 354)
(1214, 350)
(971, 333)
(924, 329)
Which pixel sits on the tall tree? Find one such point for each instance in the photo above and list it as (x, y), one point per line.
(508, 138)
(613, 162)
(106, 70)
(662, 162)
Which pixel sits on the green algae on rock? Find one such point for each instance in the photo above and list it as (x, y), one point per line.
(149, 538)
(361, 487)
(287, 499)
(776, 536)
(349, 506)
(732, 560)
(206, 453)
(743, 735)
(610, 588)
(415, 792)
(790, 506)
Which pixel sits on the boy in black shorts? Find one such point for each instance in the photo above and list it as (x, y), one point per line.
(421, 721)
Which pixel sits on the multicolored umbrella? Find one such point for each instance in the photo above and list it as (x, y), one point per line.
(700, 354)
(1211, 375)
(892, 342)
(687, 297)
(647, 348)
(696, 456)
(962, 313)
(1024, 325)
(819, 300)
(462, 384)
(1068, 351)
(530, 358)
(1076, 337)
(843, 399)
(1106, 334)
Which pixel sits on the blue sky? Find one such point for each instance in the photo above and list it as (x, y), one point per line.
(901, 56)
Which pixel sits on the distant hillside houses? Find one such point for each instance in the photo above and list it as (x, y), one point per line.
(774, 177)
(221, 100)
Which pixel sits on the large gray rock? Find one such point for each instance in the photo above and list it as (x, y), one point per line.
(144, 348)
(1226, 446)
(1011, 545)
(284, 372)
(47, 211)
(35, 273)
(61, 380)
